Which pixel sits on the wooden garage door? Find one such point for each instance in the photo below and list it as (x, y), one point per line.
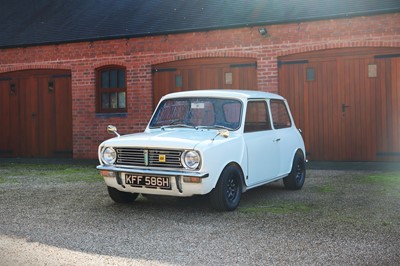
(36, 113)
(204, 73)
(346, 102)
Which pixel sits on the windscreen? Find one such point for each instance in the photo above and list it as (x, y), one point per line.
(198, 112)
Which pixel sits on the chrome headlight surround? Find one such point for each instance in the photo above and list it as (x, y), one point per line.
(108, 155)
(191, 159)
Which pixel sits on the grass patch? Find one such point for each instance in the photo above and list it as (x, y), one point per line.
(384, 183)
(389, 179)
(326, 189)
(277, 208)
(19, 173)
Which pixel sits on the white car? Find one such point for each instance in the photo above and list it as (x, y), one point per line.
(216, 142)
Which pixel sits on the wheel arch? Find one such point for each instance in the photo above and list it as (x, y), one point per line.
(297, 151)
(242, 178)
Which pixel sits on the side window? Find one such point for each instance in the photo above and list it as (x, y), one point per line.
(280, 115)
(257, 117)
(111, 89)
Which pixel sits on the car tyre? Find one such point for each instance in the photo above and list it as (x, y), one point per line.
(297, 175)
(121, 197)
(227, 193)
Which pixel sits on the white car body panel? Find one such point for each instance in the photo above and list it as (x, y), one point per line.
(263, 157)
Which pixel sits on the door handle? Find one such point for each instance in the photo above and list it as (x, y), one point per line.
(344, 106)
(277, 140)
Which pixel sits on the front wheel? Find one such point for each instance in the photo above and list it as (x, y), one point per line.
(297, 175)
(121, 197)
(227, 193)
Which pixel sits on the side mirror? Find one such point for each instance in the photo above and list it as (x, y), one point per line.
(112, 130)
(223, 132)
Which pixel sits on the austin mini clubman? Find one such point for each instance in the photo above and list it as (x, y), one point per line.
(215, 142)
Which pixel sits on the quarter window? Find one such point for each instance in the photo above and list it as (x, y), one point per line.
(280, 114)
(111, 89)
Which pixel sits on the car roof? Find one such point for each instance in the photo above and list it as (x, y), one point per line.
(239, 94)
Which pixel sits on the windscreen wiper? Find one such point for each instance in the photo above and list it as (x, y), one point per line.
(177, 125)
(214, 126)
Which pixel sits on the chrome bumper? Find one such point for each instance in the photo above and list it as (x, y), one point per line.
(151, 171)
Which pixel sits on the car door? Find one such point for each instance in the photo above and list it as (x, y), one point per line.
(286, 134)
(261, 143)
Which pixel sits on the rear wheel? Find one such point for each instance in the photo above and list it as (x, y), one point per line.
(227, 193)
(295, 179)
(121, 197)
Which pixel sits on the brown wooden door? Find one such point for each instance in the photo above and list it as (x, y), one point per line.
(346, 102)
(9, 114)
(204, 73)
(388, 107)
(47, 117)
(28, 131)
(63, 120)
(36, 109)
(315, 104)
(358, 109)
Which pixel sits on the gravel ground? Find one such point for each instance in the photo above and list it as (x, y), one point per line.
(338, 218)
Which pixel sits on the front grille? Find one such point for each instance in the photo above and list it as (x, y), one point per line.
(149, 157)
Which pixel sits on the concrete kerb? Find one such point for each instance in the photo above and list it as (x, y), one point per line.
(368, 166)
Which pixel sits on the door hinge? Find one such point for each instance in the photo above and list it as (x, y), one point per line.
(296, 62)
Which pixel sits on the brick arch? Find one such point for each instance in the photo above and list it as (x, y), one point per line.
(336, 45)
(203, 54)
(110, 63)
(34, 67)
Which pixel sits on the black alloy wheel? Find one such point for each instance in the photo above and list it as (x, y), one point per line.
(227, 193)
(297, 175)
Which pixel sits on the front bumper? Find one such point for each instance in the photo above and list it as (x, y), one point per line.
(144, 171)
(179, 188)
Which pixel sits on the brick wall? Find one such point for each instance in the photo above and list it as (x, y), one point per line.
(139, 54)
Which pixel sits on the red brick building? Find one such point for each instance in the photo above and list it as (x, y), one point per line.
(66, 73)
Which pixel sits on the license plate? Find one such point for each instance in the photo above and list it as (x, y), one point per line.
(161, 182)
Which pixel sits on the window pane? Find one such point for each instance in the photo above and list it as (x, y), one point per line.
(121, 100)
(178, 81)
(280, 115)
(111, 89)
(199, 112)
(105, 82)
(121, 78)
(114, 100)
(310, 74)
(113, 78)
(257, 117)
(105, 100)
(232, 112)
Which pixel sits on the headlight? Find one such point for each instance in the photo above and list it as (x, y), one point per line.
(108, 156)
(191, 159)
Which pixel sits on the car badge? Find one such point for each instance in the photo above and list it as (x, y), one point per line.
(162, 158)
